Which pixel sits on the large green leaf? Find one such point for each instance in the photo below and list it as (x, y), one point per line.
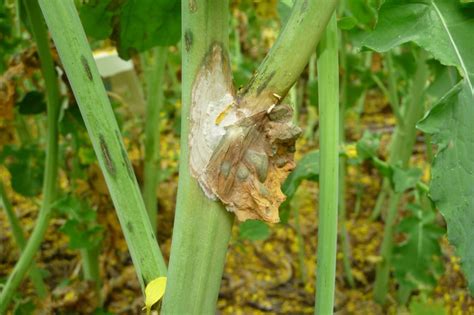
(452, 185)
(135, 25)
(443, 27)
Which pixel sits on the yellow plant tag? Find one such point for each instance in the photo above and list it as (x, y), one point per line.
(154, 291)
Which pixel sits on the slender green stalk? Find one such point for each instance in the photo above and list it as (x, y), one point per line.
(19, 235)
(386, 250)
(301, 251)
(395, 104)
(51, 169)
(154, 75)
(202, 227)
(237, 56)
(294, 101)
(329, 166)
(90, 256)
(346, 257)
(282, 67)
(76, 56)
(381, 198)
(312, 68)
(22, 130)
(90, 265)
(392, 88)
(400, 152)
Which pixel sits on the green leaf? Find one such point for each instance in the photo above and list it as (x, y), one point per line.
(253, 230)
(81, 226)
(368, 145)
(404, 179)
(452, 190)
(307, 168)
(24, 308)
(26, 165)
(417, 261)
(363, 11)
(81, 237)
(444, 79)
(418, 307)
(443, 27)
(32, 103)
(346, 23)
(284, 9)
(136, 26)
(96, 17)
(148, 23)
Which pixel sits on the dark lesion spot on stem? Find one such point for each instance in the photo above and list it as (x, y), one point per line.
(188, 40)
(109, 163)
(125, 161)
(130, 227)
(264, 84)
(192, 6)
(304, 6)
(86, 67)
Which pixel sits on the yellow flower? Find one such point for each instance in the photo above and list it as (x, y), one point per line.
(350, 150)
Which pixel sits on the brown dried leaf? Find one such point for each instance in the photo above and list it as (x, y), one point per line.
(241, 150)
(252, 161)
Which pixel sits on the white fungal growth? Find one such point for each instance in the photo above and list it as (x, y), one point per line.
(212, 109)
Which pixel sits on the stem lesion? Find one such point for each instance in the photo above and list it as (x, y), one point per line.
(252, 126)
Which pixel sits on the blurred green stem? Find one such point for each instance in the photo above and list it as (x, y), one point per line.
(40, 35)
(301, 249)
(392, 88)
(154, 67)
(89, 256)
(328, 70)
(22, 129)
(400, 151)
(19, 235)
(346, 248)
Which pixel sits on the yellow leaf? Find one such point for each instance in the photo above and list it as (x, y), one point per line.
(154, 291)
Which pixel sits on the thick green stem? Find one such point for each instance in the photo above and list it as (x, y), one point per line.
(400, 151)
(76, 56)
(51, 166)
(202, 227)
(328, 70)
(154, 75)
(346, 249)
(19, 235)
(282, 66)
